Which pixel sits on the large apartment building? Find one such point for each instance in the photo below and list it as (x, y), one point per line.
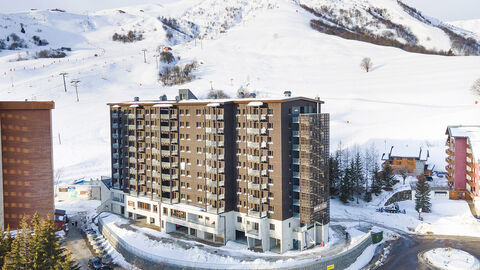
(249, 170)
(463, 163)
(26, 167)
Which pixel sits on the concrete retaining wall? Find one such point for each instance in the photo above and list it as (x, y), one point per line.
(148, 261)
(405, 195)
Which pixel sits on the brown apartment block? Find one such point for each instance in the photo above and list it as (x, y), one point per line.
(27, 166)
(251, 170)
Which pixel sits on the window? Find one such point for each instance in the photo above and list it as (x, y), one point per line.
(62, 189)
(239, 219)
(155, 209)
(143, 206)
(187, 112)
(272, 227)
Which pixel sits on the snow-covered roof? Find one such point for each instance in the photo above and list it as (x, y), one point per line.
(407, 151)
(472, 133)
(255, 101)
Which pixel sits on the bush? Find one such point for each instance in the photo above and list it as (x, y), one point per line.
(217, 94)
(39, 42)
(177, 74)
(17, 42)
(131, 36)
(167, 57)
(50, 53)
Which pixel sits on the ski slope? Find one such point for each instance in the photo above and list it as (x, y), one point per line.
(268, 47)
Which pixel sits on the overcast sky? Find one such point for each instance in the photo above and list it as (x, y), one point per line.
(448, 10)
(445, 10)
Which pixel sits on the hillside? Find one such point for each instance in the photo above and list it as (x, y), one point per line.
(470, 25)
(265, 46)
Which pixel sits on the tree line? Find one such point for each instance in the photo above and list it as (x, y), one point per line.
(354, 175)
(34, 246)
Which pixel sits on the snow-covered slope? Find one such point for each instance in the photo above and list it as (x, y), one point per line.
(470, 25)
(266, 46)
(389, 22)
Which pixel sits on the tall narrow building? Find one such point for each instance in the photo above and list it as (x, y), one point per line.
(26, 161)
(250, 170)
(463, 163)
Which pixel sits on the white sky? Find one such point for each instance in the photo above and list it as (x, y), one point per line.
(448, 10)
(445, 10)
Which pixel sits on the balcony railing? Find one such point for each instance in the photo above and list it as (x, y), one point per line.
(253, 186)
(253, 131)
(253, 158)
(253, 144)
(115, 125)
(253, 172)
(115, 145)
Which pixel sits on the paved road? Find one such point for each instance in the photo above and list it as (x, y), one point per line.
(403, 255)
(78, 247)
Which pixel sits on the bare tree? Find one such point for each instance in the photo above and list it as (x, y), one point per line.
(476, 87)
(366, 64)
(217, 94)
(403, 172)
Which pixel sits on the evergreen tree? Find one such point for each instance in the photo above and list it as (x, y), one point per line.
(377, 180)
(422, 195)
(358, 175)
(334, 174)
(344, 186)
(388, 178)
(66, 263)
(368, 196)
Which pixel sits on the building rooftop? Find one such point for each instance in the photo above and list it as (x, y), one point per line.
(472, 133)
(27, 105)
(253, 101)
(407, 151)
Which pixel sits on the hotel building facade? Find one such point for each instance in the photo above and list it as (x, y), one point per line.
(249, 170)
(26, 167)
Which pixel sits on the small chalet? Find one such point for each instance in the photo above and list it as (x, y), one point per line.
(413, 159)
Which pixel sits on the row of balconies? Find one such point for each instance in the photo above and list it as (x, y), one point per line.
(214, 143)
(214, 170)
(213, 196)
(213, 183)
(252, 185)
(213, 116)
(214, 156)
(256, 213)
(257, 117)
(212, 209)
(214, 130)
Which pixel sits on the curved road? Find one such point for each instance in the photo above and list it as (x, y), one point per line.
(403, 253)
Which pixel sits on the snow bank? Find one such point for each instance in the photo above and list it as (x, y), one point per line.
(74, 207)
(454, 259)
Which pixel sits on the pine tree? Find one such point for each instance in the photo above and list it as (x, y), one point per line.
(358, 175)
(422, 195)
(66, 262)
(377, 180)
(388, 178)
(344, 186)
(334, 174)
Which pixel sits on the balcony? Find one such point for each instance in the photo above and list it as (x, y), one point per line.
(295, 147)
(170, 188)
(210, 130)
(116, 155)
(116, 175)
(133, 182)
(164, 128)
(296, 175)
(253, 144)
(131, 116)
(132, 171)
(450, 160)
(253, 172)
(140, 116)
(131, 138)
(114, 115)
(210, 169)
(253, 131)
(116, 165)
(115, 125)
(254, 200)
(253, 117)
(295, 133)
(296, 161)
(115, 135)
(115, 145)
(132, 149)
(450, 152)
(251, 185)
(166, 165)
(264, 131)
(264, 172)
(155, 185)
(450, 169)
(132, 160)
(252, 158)
(131, 127)
(295, 119)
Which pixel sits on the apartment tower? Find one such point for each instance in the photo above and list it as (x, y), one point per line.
(26, 161)
(250, 170)
(463, 163)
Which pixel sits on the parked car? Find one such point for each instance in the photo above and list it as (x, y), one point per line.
(391, 209)
(95, 263)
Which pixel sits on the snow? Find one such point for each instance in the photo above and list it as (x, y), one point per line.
(470, 25)
(411, 150)
(448, 217)
(407, 97)
(75, 207)
(448, 258)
